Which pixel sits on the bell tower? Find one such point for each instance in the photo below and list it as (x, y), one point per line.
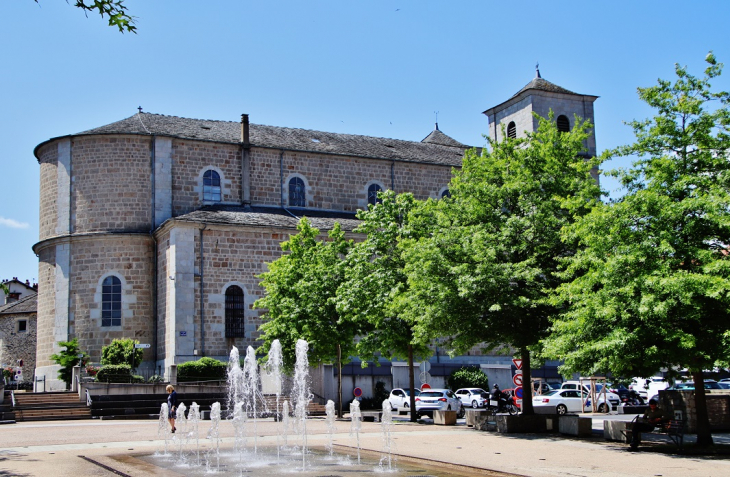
(540, 96)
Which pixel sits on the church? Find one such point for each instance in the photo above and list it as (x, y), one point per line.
(156, 227)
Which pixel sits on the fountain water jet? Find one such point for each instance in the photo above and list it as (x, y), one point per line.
(302, 395)
(193, 420)
(330, 410)
(356, 424)
(386, 422)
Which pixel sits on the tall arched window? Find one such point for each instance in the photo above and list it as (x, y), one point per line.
(563, 123)
(512, 130)
(235, 310)
(211, 186)
(111, 302)
(373, 190)
(297, 194)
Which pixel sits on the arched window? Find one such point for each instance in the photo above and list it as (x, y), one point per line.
(512, 130)
(373, 190)
(563, 123)
(211, 186)
(111, 302)
(446, 194)
(235, 309)
(297, 195)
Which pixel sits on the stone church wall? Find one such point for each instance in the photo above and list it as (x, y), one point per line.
(190, 159)
(127, 257)
(48, 214)
(111, 184)
(46, 306)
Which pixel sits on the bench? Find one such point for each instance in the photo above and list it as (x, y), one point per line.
(673, 429)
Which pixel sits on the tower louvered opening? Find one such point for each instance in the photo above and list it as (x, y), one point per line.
(512, 130)
(563, 123)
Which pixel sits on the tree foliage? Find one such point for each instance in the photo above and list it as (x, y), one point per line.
(68, 358)
(115, 10)
(203, 369)
(300, 299)
(485, 275)
(469, 377)
(651, 288)
(122, 351)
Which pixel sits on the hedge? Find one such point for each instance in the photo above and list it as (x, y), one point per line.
(204, 369)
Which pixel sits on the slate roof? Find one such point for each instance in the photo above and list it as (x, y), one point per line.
(275, 137)
(268, 217)
(28, 304)
(437, 137)
(543, 85)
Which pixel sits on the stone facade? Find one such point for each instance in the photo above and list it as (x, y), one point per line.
(18, 331)
(128, 205)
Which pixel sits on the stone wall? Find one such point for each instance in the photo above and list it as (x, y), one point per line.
(718, 407)
(111, 184)
(48, 155)
(46, 306)
(16, 345)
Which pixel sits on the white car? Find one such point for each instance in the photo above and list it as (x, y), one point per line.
(613, 398)
(400, 398)
(563, 401)
(474, 397)
(648, 387)
(438, 400)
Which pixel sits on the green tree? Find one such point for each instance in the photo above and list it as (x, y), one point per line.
(469, 377)
(485, 274)
(114, 9)
(68, 358)
(376, 291)
(122, 351)
(300, 299)
(651, 288)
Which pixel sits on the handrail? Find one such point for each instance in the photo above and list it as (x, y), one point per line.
(88, 399)
(12, 398)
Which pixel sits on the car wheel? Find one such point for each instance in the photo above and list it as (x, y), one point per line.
(474, 404)
(405, 405)
(603, 407)
(561, 409)
(461, 412)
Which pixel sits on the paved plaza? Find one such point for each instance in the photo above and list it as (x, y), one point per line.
(111, 447)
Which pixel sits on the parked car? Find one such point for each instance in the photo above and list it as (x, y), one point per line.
(438, 400)
(690, 386)
(613, 398)
(648, 387)
(401, 398)
(620, 389)
(724, 384)
(474, 397)
(725, 380)
(563, 401)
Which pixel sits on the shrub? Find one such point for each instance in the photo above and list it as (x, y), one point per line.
(381, 394)
(68, 358)
(156, 378)
(204, 369)
(115, 373)
(121, 351)
(469, 377)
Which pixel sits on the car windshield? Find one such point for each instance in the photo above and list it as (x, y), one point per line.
(432, 394)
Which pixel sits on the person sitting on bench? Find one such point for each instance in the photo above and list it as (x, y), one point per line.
(653, 417)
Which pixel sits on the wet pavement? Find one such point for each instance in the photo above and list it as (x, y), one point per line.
(106, 448)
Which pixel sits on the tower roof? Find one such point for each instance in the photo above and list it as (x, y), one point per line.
(437, 137)
(542, 84)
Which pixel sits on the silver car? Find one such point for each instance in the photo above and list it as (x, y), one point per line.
(438, 400)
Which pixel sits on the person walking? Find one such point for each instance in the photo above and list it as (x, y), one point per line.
(171, 406)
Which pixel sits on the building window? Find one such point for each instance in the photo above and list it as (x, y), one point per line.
(373, 190)
(111, 302)
(211, 186)
(235, 309)
(563, 123)
(512, 130)
(22, 326)
(297, 197)
(446, 194)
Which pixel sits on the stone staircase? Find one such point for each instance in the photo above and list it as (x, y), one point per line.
(49, 406)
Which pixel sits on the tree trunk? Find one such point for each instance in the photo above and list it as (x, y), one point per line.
(411, 382)
(339, 381)
(704, 435)
(527, 408)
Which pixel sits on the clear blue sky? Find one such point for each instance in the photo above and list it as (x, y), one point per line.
(362, 67)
